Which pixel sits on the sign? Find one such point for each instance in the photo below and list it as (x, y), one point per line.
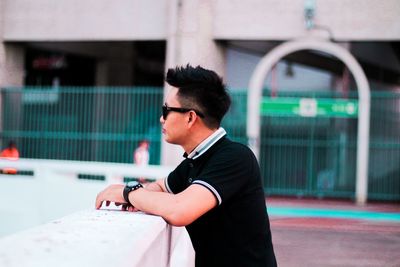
(309, 107)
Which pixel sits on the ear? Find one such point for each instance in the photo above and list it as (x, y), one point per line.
(192, 117)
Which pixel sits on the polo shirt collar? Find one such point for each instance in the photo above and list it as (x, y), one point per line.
(206, 144)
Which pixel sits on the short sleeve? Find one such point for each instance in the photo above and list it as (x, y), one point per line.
(228, 171)
(175, 182)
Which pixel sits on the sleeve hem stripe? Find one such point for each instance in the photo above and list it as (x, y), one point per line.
(209, 187)
(167, 186)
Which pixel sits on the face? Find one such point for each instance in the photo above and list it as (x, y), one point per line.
(144, 145)
(174, 126)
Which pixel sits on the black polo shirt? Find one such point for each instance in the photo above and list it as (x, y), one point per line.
(236, 232)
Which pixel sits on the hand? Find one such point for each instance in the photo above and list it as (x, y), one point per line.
(112, 193)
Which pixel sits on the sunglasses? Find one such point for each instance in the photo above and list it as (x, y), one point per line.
(166, 110)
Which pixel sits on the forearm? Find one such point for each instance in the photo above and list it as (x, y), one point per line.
(177, 209)
(156, 202)
(155, 187)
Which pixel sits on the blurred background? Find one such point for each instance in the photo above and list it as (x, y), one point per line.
(84, 81)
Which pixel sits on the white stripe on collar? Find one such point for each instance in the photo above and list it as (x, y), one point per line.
(207, 143)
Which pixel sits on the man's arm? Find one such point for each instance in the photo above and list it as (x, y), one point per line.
(157, 186)
(179, 209)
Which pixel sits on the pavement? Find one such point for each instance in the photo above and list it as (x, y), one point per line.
(333, 233)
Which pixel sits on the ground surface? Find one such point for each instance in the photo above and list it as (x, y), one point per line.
(319, 233)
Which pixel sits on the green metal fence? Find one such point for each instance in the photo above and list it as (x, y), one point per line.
(299, 156)
(308, 156)
(92, 124)
(316, 156)
(384, 163)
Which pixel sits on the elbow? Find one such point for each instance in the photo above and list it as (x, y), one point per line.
(177, 218)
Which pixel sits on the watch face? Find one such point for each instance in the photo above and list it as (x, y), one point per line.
(132, 183)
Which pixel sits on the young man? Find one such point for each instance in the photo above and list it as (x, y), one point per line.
(216, 191)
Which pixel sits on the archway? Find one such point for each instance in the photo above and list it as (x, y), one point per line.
(319, 44)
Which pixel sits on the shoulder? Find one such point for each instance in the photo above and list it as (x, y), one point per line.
(229, 145)
(232, 150)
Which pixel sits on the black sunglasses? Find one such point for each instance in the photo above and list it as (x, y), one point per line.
(166, 110)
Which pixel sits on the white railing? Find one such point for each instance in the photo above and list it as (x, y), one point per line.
(88, 237)
(99, 238)
(54, 190)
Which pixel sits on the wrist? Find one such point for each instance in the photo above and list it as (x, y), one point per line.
(129, 188)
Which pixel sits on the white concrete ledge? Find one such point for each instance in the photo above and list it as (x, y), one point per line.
(99, 238)
(55, 190)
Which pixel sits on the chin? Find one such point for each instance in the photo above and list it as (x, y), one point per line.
(166, 139)
(170, 141)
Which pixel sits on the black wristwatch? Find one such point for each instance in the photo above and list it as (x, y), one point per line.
(129, 187)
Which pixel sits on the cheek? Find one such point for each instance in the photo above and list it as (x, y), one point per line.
(173, 130)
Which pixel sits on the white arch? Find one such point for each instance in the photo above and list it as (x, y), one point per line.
(313, 43)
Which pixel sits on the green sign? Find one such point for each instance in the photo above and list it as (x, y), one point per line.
(309, 107)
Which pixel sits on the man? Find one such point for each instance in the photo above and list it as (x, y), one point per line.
(10, 152)
(141, 156)
(216, 191)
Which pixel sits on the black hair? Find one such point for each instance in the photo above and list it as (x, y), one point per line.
(11, 144)
(202, 90)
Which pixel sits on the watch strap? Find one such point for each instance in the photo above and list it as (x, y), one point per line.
(129, 189)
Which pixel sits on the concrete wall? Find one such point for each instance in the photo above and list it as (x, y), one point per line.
(45, 20)
(354, 20)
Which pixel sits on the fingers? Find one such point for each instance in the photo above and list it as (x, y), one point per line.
(112, 193)
(124, 206)
(132, 209)
(99, 202)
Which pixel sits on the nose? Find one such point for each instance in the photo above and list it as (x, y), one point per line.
(162, 119)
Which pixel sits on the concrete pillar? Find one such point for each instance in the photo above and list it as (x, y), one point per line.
(190, 40)
(101, 78)
(11, 73)
(11, 65)
(11, 58)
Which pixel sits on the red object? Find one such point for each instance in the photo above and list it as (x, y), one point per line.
(10, 153)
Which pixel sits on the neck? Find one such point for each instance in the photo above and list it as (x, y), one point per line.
(196, 138)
